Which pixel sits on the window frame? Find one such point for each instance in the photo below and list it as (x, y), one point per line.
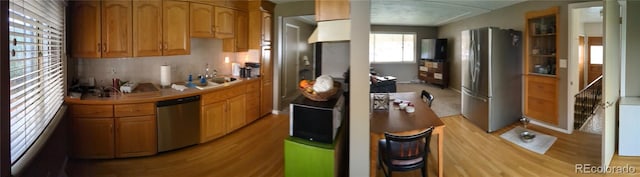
(415, 46)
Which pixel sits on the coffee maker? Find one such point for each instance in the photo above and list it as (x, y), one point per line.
(255, 68)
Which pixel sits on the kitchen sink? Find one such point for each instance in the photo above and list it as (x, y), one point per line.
(217, 82)
(222, 80)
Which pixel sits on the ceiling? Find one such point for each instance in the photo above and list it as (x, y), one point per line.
(431, 12)
(427, 12)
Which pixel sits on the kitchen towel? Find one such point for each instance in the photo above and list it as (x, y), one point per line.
(165, 75)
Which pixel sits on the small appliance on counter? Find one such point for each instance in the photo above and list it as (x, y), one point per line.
(255, 69)
(235, 69)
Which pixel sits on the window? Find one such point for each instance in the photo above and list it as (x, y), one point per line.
(596, 54)
(36, 34)
(392, 48)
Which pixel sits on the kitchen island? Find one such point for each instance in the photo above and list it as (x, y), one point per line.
(125, 126)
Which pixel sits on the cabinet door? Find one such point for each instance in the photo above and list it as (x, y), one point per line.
(176, 28)
(224, 23)
(242, 34)
(237, 113)
(117, 29)
(253, 101)
(266, 90)
(212, 124)
(92, 137)
(86, 29)
(147, 29)
(135, 136)
(332, 10)
(201, 20)
(266, 28)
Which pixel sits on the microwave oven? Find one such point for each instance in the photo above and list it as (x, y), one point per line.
(315, 120)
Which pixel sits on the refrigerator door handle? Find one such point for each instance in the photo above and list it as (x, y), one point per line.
(473, 96)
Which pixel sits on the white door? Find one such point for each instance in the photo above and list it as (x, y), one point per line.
(290, 62)
(611, 78)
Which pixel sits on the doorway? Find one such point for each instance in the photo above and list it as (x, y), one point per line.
(297, 56)
(595, 58)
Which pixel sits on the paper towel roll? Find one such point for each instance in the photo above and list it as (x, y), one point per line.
(165, 75)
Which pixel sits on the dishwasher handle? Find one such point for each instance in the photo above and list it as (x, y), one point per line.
(178, 101)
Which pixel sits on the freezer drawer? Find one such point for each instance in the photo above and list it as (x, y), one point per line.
(476, 110)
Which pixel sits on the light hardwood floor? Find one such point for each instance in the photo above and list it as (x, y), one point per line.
(257, 150)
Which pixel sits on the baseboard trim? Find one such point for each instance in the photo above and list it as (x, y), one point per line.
(545, 125)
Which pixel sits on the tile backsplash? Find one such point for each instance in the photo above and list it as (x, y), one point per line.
(147, 69)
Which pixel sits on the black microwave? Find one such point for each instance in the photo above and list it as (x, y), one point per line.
(316, 120)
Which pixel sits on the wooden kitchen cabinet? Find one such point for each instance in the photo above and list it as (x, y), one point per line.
(332, 10)
(136, 136)
(267, 28)
(102, 29)
(202, 20)
(147, 28)
(253, 101)
(86, 30)
(224, 23)
(237, 113)
(239, 42)
(541, 65)
(108, 131)
(266, 90)
(212, 121)
(161, 28)
(92, 138)
(175, 28)
(117, 30)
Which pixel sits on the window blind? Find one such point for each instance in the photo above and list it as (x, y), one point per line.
(36, 31)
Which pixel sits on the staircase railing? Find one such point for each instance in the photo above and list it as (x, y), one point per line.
(586, 102)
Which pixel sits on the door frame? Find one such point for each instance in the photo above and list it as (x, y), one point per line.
(572, 59)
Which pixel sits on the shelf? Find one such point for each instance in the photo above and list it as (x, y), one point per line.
(543, 35)
(545, 75)
(538, 55)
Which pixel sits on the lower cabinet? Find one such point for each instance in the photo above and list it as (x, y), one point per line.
(212, 121)
(113, 137)
(135, 136)
(92, 137)
(253, 101)
(222, 112)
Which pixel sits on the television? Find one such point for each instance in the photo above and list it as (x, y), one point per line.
(434, 49)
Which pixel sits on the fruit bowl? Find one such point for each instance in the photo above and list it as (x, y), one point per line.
(320, 96)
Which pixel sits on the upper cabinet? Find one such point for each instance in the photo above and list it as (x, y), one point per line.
(332, 10)
(224, 22)
(147, 30)
(267, 21)
(202, 20)
(175, 25)
(239, 42)
(160, 28)
(102, 29)
(541, 61)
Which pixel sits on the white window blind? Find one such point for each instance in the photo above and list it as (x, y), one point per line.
(392, 48)
(36, 34)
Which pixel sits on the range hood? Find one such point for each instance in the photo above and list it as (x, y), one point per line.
(328, 31)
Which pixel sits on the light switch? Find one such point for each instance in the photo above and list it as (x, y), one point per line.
(563, 63)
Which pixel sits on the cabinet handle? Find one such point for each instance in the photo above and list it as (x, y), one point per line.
(104, 47)
(99, 47)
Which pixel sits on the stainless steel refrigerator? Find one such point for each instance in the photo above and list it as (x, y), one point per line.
(491, 77)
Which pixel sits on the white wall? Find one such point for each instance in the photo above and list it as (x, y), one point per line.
(359, 86)
(593, 29)
(632, 40)
(335, 58)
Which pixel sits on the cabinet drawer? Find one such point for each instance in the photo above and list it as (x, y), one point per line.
(141, 109)
(542, 90)
(541, 109)
(89, 111)
(223, 94)
(253, 87)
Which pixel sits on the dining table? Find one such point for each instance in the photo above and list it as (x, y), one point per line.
(399, 121)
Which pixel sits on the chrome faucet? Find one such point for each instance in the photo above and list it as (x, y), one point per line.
(206, 70)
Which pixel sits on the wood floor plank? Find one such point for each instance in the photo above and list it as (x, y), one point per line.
(257, 150)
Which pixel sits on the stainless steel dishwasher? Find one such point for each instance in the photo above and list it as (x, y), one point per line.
(178, 123)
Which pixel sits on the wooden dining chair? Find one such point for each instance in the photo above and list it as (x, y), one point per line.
(404, 153)
(427, 97)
